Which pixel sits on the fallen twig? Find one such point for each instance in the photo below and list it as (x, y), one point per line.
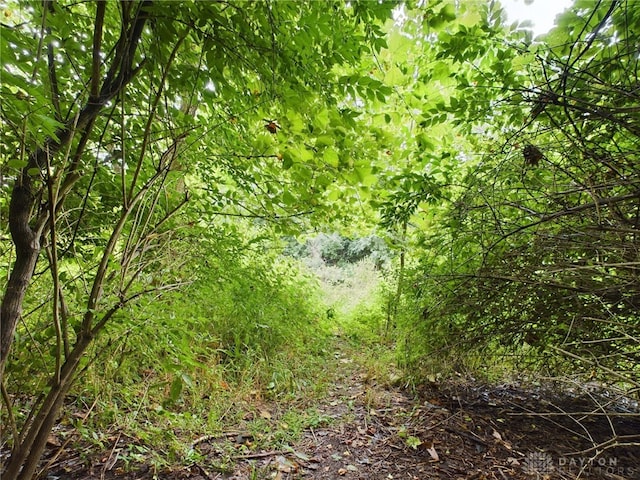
(206, 438)
(468, 436)
(259, 455)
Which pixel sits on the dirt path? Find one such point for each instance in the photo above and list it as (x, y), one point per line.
(365, 430)
(380, 432)
(472, 432)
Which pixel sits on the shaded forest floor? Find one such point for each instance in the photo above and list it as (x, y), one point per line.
(365, 428)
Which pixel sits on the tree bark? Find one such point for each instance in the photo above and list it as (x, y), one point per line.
(27, 243)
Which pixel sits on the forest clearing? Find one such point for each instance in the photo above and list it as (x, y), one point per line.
(323, 240)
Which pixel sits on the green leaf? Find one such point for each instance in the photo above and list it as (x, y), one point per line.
(17, 164)
(448, 12)
(334, 194)
(287, 159)
(330, 156)
(324, 141)
(176, 389)
(413, 442)
(49, 125)
(288, 198)
(365, 177)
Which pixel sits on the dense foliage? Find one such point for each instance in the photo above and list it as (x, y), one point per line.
(537, 250)
(158, 158)
(114, 117)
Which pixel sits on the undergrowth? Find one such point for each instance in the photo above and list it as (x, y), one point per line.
(242, 347)
(209, 362)
(245, 347)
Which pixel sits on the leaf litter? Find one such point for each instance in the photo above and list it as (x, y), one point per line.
(452, 430)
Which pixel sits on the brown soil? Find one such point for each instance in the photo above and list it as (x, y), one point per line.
(453, 431)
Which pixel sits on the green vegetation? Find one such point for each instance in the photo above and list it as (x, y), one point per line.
(164, 177)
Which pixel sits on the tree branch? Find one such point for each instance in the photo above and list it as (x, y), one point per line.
(97, 42)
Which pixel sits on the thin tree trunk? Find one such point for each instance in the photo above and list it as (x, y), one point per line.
(27, 229)
(392, 311)
(24, 459)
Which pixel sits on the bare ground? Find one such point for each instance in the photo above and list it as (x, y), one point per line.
(368, 430)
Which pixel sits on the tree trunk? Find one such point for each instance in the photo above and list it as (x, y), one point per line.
(26, 456)
(27, 242)
(23, 197)
(27, 225)
(392, 311)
